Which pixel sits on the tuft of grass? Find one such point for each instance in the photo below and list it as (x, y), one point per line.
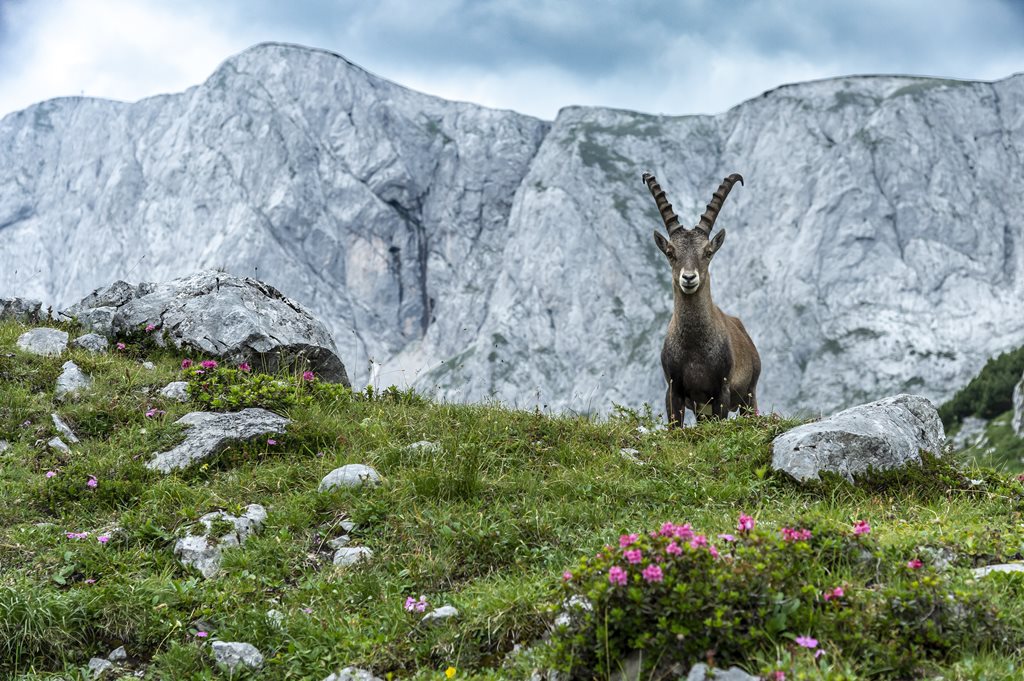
(487, 522)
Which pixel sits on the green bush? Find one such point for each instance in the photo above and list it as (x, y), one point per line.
(990, 393)
(219, 388)
(678, 596)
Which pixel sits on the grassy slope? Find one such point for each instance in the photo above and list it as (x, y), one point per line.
(487, 525)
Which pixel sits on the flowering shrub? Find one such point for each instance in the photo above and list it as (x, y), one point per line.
(221, 388)
(681, 596)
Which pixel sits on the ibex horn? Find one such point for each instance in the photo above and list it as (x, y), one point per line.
(670, 218)
(707, 221)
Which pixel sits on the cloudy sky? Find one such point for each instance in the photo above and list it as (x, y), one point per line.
(534, 56)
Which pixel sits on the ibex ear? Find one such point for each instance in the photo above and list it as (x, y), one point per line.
(664, 244)
(717, 241)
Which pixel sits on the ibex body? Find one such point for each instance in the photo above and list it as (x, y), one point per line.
(709, 360)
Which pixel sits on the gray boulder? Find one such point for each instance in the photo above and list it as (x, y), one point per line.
(44, 341)
(1018, 408)
(349, 475)
(233, 654)
(99, 667)
(209, 432)
(118, 654)
(880, 435)
(203, 552)
(71, 382)
(176, 390)
(353, 674)
(64, 429)
(25, 310)
(214, 313)
(59, 445)
(93, 342)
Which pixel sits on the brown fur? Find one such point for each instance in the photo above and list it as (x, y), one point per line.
(709, 360)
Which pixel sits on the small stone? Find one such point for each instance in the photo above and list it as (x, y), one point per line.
(177, 391)
(100, 667)
(425, 446)
(58, 444)
(347, 525)
(148, 365)
(445, 612)
(630, 454)
(353, 674)
(275, 616)
(338, 542)
(573, 607)
(701, 672)
(4, 446)
(64, 429)
(44, 341)
(71, 381)
(349, 555)
(93, 342)
(118, 655)
(989, 569)
(233, 654)
(351, 475)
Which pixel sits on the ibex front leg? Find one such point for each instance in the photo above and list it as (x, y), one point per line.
(675, 406)
(724, 401)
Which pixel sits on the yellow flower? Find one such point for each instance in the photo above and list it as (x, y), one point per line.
(450, 672)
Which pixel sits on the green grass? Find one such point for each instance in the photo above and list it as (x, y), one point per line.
(1001, 448)
(487, 524)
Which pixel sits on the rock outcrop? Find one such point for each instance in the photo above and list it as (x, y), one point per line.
(1018, 408)
(220, 315)
(874, 249)
(210, 432)
(880, 436)
(202, 550)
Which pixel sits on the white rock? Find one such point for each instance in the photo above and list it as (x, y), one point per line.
(235, 654)
(574, 607)
(43, 341)
(203, 552)
(209, 432)
(881, 435)
(24, 310)
(118, 654)
(339, 542)
(631, 455)
(701, 672)
(424, 446)
(100, 667)
(148, 365)
(71, 381)
(1018, 408)
(4, 446)
(93, 342)
(59, 445)
(352, 674)
(64, 429)
(444, 613)
(350, 555)
(275, 616)
(350, 475)
(177, 390)
(1005, 567)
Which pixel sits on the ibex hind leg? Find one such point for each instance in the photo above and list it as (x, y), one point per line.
(675, 408)
(748, 405)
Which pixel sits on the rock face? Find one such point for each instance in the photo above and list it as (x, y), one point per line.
(881, 435)
(203, 552)
(43, 341)
(210, 432)
(1018, 408)
(874, 249)
(236, 318)
(21, 309)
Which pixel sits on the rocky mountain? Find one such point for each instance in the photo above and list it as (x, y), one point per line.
(875, 248)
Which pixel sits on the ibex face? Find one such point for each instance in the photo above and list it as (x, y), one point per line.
(689, 251)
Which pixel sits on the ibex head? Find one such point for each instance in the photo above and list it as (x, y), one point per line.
(689, 251)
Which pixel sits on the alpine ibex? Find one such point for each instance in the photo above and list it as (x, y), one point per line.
(709, 361)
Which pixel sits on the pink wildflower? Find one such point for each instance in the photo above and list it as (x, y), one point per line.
(698, 541)
(789, 534)
(684, 532)
(308, 376)
(627, 540)
(807, 642)
(862, 527)
(727, 537)
(308, 611)
(244, 366)
(567, 575)
(103, 539)
(155, 412)
(90, 581)
(92, 482)
(76, 535)
(818, 653)
(674, 549)
(617, 575)
(150, 327)
(186, 363)
(713, 551)
(271, 441)
(50, 474)
(410, 603)
(834, 593)
(634, 556)
(746, 523)
(208, 364)
(914, 564)
(667, 529)
(201, 634)
(652, 573)
(121, 346)
(779, 676)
